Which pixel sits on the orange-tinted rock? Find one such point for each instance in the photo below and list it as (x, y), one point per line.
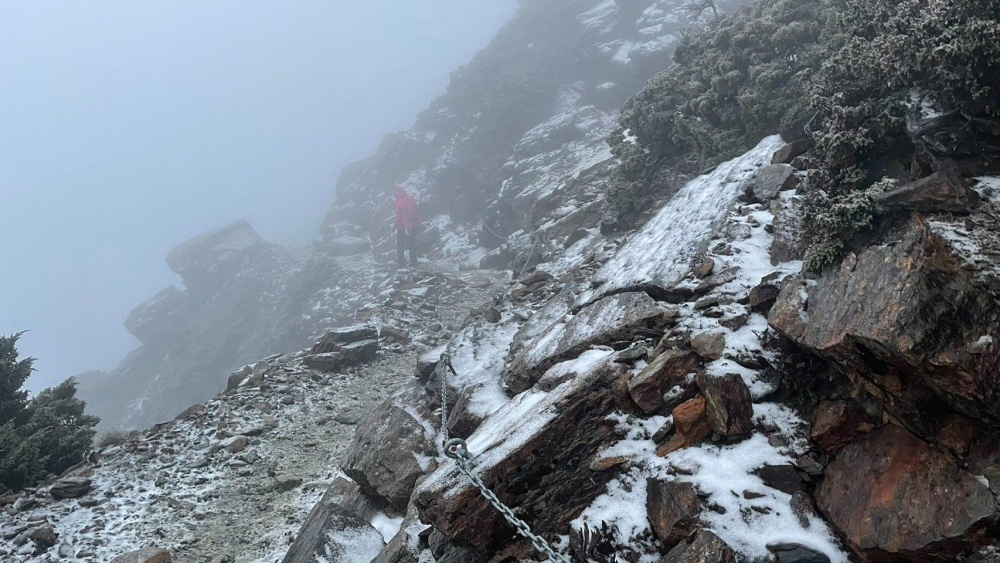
(690, 424)
(895, 499)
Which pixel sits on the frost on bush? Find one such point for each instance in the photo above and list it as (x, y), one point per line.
(880, 51)
(831, 221)
(841, 70)
(731, 84)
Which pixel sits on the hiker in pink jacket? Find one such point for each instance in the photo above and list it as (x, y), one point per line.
(406, 225)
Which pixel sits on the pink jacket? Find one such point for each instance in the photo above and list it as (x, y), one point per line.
(406, 210)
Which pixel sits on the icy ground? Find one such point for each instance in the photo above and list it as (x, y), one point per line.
(179, 487)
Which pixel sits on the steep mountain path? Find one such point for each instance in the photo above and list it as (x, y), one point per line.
(233, 479)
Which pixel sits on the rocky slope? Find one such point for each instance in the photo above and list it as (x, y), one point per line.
(681, 392)
(233, 478)
(688, 396)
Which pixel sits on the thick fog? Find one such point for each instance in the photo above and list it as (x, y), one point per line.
(128, 127)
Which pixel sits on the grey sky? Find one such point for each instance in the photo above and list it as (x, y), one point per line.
(128, 126)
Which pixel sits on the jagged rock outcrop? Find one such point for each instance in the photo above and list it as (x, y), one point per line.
(542, 433)
(907, 322)
(243, 299)
(392, 449)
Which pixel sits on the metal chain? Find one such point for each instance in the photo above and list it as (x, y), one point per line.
(443, 367)
(457, 450)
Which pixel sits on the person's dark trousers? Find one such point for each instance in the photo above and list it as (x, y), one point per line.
(405, 242)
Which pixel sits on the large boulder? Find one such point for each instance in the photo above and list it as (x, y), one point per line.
(895, 499)
(673, 509)
(529, 453)
(905, 321)
(608, 320)
(771, 179)
(335, 524)
(728, 404)
(658, 256)
(391, 448)
(337, 337)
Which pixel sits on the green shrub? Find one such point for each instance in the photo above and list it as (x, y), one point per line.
(830, 222)
(47, 434)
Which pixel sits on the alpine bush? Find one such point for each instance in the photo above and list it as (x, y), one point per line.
(42, 436)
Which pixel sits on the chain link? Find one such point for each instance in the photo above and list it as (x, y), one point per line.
(457, 450)
(443, 367)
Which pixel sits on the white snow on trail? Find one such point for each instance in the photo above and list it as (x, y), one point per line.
(681, 229)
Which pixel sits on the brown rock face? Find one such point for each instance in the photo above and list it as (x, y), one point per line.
(706, 547)
(895, 499)
(673, 508)
(690, 424)
(837, 424)
(728, 404)
(668, 370)
(541, 477)
(902, 321)
(381, 458)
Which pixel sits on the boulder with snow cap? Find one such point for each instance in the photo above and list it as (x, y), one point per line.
(340, 517)
(890, 472)
(529, 453)
(337, 337)
(608, 320)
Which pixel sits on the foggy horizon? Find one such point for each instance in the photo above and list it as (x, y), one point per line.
(129, 129)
